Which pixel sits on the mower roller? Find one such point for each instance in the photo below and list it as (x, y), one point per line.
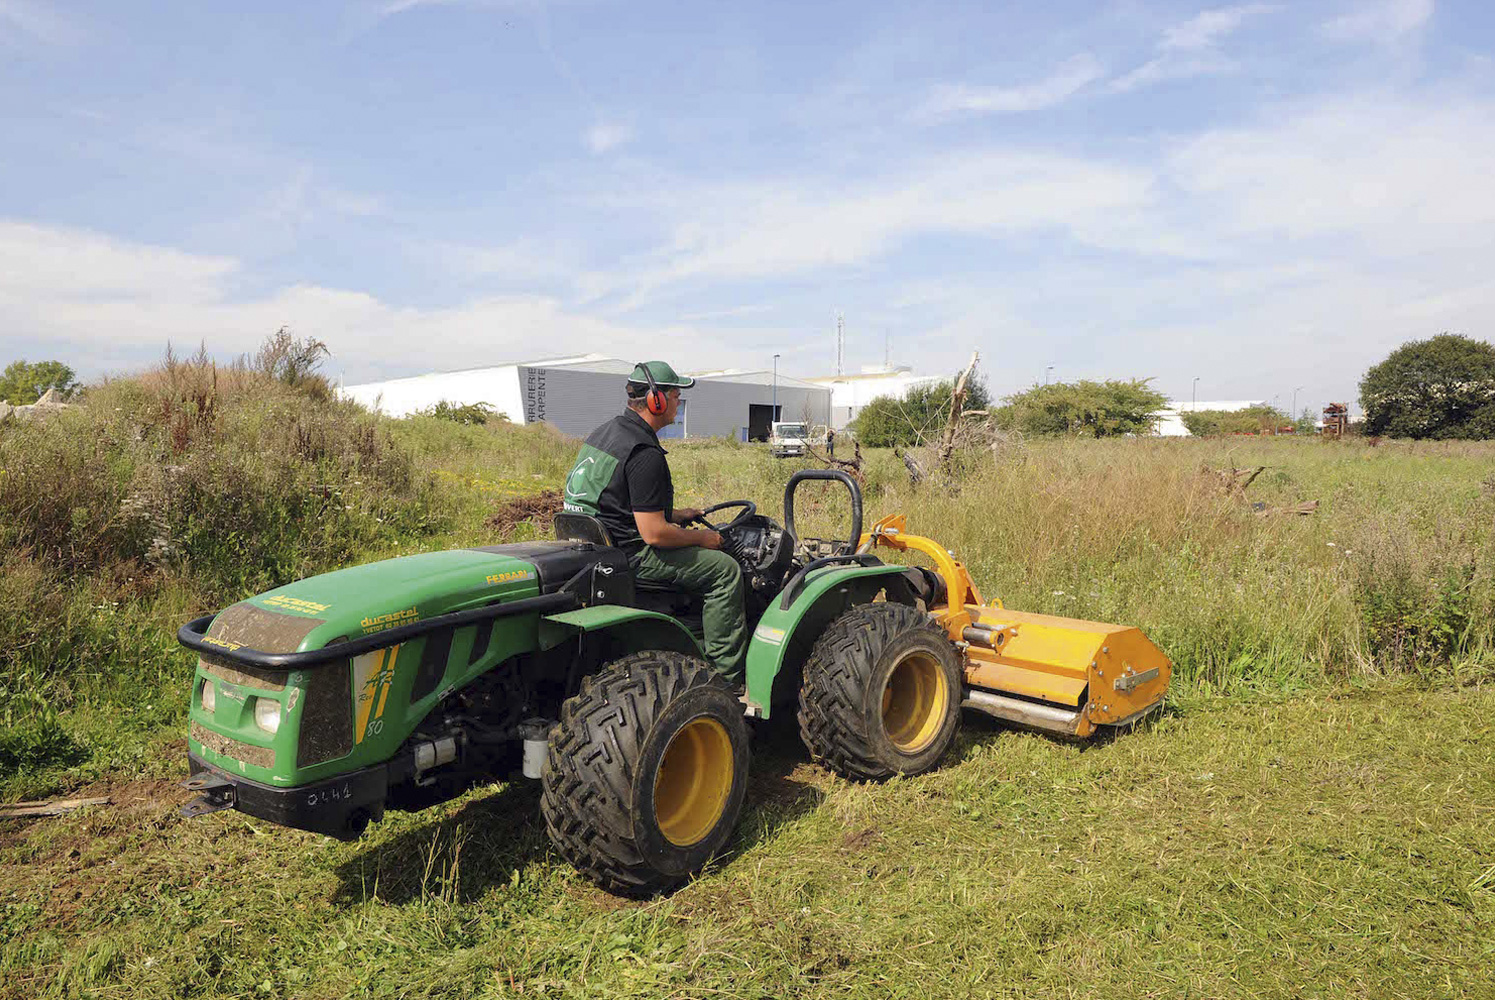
(401, 683)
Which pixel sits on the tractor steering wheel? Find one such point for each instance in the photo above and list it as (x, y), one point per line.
(748, 510)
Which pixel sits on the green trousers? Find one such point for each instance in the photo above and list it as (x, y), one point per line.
(716, 578)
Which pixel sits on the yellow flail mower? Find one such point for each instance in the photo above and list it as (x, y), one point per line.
(1064, 676)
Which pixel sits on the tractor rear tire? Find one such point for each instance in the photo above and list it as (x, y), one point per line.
(646, 772)
(881, 693)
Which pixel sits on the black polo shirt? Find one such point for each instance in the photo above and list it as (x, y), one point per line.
(621, 470)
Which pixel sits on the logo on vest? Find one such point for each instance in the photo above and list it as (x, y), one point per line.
(579, 478)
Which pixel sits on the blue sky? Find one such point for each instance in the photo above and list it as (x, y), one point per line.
(1262, 195)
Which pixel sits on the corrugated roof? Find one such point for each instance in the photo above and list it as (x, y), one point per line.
(761, 376)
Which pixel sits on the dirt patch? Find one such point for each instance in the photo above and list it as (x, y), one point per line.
(128, 801)
(539, 509)
(79, 862)
(860, 839)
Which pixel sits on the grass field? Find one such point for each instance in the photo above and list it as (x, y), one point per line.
(1334, 845)
(1312, 816)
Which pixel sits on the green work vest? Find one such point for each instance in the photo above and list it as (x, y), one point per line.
(598, 485)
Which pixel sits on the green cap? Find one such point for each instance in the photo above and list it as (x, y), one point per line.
(664, 376)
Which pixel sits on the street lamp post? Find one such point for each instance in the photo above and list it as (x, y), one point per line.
(1294, 414)
(1194, 395)
(775, 387)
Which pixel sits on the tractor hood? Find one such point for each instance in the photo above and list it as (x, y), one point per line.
(363, 600)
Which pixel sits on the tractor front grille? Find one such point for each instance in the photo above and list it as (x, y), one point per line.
(232, 748)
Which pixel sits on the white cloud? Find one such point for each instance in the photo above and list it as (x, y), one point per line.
(607, 136)
(31, 21)
(789, 226)
(301, 198)
(1208, 28)
(44, 261)
(1192, 48)
(99, 302)
(1069, 78)
(1396, 176)
(1384, 21)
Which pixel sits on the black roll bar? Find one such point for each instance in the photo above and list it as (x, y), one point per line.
(830, 475)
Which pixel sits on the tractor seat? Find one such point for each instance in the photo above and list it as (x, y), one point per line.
(573, 526)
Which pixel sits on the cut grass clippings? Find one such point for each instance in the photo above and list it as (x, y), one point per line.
(1327, 846)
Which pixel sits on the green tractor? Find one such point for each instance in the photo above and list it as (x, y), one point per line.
(401, 683)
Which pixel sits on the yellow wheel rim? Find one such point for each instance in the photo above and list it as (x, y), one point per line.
(914, 702)
(690, 791)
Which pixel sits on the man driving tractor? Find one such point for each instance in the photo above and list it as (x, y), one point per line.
(622, 478)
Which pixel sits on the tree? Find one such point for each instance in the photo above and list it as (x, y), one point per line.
(23, 383)
(1251, 420)
(1083, 409)
(1443, 387)
(922, 413)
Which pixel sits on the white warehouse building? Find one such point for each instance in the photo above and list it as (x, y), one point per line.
(1170, 421)
(576, 394)
(849, 393)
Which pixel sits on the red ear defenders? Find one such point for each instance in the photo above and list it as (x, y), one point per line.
(654, 400)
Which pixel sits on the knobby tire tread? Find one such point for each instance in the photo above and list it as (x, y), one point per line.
(830, 704)
(589, 771)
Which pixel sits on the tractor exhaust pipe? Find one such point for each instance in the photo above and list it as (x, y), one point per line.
(1048, 718)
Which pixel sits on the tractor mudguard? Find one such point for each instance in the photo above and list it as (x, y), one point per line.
(790, 626)
(627, 630)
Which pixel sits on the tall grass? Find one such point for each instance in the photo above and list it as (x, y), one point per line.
(1394, 572)
(166, 495)
(171, 494)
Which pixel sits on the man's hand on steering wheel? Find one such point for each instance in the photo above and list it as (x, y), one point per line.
(749, 509)
(725, 541)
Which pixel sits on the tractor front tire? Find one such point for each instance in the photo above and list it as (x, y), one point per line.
(646, 772)
(881, 693)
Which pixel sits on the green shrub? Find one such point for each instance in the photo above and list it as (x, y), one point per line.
(469, 413)
(24, 382)
(889, 422)
(233, 479)
(1439, 388)
(1083, 409)
(1252, 420)
(1417, 622)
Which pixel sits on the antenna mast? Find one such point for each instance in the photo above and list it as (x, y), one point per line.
(840, 344)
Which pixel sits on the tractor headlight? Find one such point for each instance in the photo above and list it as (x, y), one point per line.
(267, 714)
(209, 697)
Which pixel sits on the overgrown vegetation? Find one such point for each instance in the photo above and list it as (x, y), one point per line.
(463, 413)
(1251, 420)
(164, 496)
(1112, 408)
(890, 422)
(1439, 388)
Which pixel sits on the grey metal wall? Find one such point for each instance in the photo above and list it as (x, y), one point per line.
(576, 401)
